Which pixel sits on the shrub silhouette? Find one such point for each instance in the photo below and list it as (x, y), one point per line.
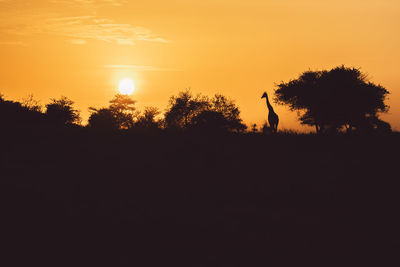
(331, 100)
(254, 128)
(266, 129)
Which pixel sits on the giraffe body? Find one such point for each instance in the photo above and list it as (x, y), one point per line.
(273, 118)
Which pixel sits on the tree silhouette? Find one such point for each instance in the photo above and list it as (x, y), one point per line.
(148, 121)
(124, 110)
(122, 103)
(186, 111)
(230, 112)
(210, 121)
(103, 119)
(331, 100)
(14, 114)
(31, 103)
(119, 115)
(61, 112)
(183, 108)
(10, 112)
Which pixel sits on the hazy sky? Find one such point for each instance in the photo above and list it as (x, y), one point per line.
(82, 48)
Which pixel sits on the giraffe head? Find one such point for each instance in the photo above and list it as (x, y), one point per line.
(264, 95)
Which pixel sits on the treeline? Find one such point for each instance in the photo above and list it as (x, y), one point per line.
(185, 112)
(341, 100)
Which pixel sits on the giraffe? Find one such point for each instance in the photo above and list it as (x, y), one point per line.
(273, 118)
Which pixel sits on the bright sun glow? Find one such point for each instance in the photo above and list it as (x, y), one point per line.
(126, 86)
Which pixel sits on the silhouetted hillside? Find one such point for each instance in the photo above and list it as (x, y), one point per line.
(87, 198)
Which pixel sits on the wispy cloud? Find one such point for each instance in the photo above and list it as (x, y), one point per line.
(95, 28)
(77, 41)
(138, 68)
(12, 42)
(83, 28)
(89, 2)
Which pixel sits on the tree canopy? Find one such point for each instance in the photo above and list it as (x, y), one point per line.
(61, 111)
(15, 114)
(103, 119)
(331, 100)
(148, 120)
(186, 111)
(183, 108)
(120, 114)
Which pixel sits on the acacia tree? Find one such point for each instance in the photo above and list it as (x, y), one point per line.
(120, 114)
(124, 109)
(61, 111)
(331, 100)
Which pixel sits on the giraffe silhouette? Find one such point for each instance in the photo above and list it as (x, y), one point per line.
(273, 118)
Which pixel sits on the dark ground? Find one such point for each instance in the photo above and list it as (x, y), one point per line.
(80, 198)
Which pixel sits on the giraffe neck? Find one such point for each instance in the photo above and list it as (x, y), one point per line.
(271, 109)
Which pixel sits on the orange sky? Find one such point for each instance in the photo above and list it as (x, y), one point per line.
(82, 48)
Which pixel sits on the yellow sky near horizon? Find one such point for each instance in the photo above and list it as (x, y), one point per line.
(82, 48)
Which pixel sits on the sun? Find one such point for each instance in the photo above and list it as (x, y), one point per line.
(126, 86)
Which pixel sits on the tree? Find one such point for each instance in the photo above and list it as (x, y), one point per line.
(14, 114)
(231, 113)
(186, 111)
(148, 121)
(183, 108)
(103, 119)
(11, 113)
(61, 111)
(31, 103)
(120, 114)
(331, 100)
(122, 103)
(210, 121)
(124, 110)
